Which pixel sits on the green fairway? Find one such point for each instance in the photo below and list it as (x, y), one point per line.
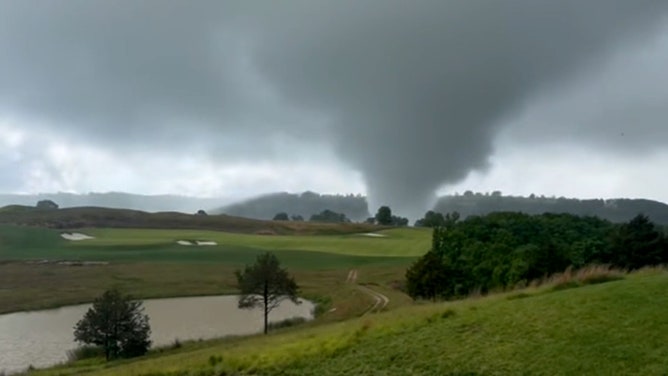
(150, 263)
(390, 243)
(614, 328)
(161, 245)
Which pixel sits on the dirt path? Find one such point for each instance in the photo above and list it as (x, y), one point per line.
(352, 276)
(380, 300)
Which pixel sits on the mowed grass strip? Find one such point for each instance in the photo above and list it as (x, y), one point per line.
(614, 328)
(405, 242)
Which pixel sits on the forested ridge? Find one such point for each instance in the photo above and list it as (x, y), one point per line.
(304, 205)
(615, 210)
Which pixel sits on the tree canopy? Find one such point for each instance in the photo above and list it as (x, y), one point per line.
(281, 216)
(116, 323)
(46, 204)
(265, 285)
(384, 216)
(502, 250)
(431, 219)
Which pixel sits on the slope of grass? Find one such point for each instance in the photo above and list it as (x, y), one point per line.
(614, 328)
(79, 217)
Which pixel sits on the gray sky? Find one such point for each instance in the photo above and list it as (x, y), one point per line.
(391, 98)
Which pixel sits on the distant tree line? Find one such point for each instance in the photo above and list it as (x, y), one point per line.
(303, 205)
(615, 210)
(502, 250)
(329, 216)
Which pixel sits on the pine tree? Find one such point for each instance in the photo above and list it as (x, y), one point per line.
(116, 323)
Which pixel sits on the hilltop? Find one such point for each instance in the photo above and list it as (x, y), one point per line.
(82, 217)
(303, 204)
(117, 200)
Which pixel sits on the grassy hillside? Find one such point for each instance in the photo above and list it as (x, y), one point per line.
(611, 328)
(80, 217)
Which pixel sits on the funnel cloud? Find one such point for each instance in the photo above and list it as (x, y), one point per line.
(410, 94)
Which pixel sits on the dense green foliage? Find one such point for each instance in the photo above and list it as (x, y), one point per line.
(431, 219)
(117, 324)
(384, 216)
(615, 210)
(265, 285)
(636, 244)
(502, 250)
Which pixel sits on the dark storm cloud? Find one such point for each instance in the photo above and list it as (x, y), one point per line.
(412, 92)
(619, 108)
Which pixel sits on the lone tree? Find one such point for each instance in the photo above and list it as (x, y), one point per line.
(384, 216)
(46, 204)
(116, 323)
(265, 285)
(282, 216)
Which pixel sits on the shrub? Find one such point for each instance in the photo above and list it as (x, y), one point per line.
(287, 323)
(85, 352)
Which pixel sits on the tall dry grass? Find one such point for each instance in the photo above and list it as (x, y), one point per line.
(589, 275)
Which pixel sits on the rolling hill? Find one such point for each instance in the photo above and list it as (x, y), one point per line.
(81, 217)
(118, 200)
(304, 205)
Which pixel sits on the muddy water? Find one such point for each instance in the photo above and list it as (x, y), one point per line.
(42, 338)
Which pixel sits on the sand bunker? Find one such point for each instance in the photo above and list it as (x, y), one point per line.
(206, 242)
(75, 236)
(196, 242)
(374, 235)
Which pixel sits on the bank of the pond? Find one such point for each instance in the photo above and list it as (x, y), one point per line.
(43, 338)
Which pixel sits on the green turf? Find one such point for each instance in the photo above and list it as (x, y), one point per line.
(397, 242)
(160, 245)
(614, 328)
(149, 263)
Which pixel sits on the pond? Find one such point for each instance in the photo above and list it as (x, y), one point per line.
(43, 338)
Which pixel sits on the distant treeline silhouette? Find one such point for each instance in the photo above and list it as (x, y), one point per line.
(614, 210)
(302, 205)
